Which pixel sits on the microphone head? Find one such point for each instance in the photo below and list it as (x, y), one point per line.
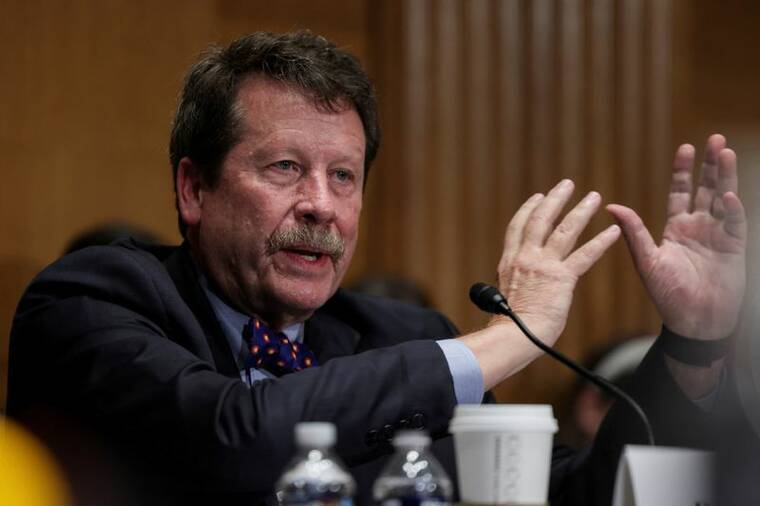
(488, 298)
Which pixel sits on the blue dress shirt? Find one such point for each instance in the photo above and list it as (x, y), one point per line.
(464, 368)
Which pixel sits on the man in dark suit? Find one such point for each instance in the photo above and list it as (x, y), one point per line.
(164, 352)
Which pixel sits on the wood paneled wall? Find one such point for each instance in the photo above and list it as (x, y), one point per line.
(499, 100)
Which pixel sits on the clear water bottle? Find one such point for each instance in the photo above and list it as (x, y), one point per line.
(315, 475)
(413, 477)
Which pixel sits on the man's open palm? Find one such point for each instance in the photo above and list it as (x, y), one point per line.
(696, 276)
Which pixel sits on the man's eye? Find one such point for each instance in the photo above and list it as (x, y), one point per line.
(285, 165)
(344, 175)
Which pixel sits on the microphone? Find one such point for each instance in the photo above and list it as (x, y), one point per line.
(489, 299)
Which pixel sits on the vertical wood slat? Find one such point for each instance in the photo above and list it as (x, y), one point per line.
(510, 123)
(447, 174)
(660, 109)
(379, 227)
(511, 138)
(542, 98)
(659, 139)
(571, 96)
(632, 170)
(415, 249)
(599, 308)
(483, 246)
(571, 133)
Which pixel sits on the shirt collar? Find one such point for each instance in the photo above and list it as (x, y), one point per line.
(233, 321)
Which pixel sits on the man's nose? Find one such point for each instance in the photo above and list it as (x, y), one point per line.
(315, 200)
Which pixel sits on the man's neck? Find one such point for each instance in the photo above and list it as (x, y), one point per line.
(281, 321)
(276, 320)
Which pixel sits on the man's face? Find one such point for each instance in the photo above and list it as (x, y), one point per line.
(278, 232)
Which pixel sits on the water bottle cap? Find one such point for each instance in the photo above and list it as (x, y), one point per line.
(411, 438)
(320, 434)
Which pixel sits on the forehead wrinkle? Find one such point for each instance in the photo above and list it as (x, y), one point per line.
(251, 95)
(329, 145)
(305, 136)
(297, 121)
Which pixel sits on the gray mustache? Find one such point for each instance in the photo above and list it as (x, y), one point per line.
(307, 236)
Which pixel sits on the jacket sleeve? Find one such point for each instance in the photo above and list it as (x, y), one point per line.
(105, 339)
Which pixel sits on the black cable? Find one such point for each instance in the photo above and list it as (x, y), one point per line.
(490, 300)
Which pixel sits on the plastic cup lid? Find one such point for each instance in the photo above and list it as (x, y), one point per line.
(502, 410)
(504, 418)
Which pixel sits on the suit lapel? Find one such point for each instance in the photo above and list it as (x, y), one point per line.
(329, 337)
(183, 273)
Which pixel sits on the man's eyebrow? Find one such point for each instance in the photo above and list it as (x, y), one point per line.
(263, 153)
(265, 150)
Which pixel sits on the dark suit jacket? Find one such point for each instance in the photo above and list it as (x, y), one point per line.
(122, 341)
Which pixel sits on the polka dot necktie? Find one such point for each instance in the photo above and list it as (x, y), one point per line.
(273, 351)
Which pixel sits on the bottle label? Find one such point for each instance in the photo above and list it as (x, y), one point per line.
(415, 501)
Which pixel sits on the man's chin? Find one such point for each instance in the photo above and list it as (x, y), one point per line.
(297, 304)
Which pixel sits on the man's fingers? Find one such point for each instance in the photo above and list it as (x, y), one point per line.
(708, 180)
(639, 240)
(735, 221)
(728, 179)
(584, 257)
(679, 198)
(545, 214)
(514, 233)
(563, 238)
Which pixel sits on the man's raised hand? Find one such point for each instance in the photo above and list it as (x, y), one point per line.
(696, 276)
(540, 265)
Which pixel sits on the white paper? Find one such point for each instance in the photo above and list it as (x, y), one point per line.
(663, 476)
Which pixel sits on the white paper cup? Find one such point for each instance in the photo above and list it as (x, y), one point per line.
(503, 452)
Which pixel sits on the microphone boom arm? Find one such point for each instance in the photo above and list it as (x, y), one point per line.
(490, 299)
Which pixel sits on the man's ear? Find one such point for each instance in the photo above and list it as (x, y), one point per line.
(189, 192)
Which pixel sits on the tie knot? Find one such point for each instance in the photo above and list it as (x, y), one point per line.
(273, 351)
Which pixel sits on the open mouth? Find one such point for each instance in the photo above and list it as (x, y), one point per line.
(308, 255)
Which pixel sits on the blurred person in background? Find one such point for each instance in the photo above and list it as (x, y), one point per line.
(393, 287)
(589, 404)
(106, 233)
